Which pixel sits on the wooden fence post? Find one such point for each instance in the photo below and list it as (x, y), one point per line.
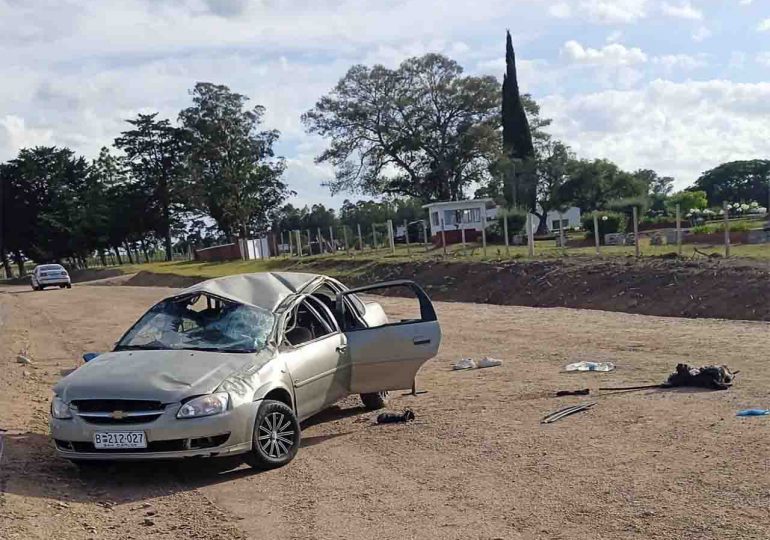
(309, 242)
(505, 233)
(360, 238)
(406, 237)
(443, 237)
(331, 239)
(679, 230)
(726, 208)
(390, 237)
(483, 238)
(636, 231)
(596, 233)
(374, 237)
(345, 239)
(530, 236)
(425, 234)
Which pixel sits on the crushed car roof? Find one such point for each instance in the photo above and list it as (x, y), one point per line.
(264, 289)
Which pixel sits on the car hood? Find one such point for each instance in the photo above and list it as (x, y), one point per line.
(167, 376)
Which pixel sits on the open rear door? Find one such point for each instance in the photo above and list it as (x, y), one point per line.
(387, 357)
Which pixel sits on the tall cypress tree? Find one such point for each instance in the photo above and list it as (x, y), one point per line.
(517, 139)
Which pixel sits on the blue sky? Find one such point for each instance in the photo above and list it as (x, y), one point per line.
(677, 85)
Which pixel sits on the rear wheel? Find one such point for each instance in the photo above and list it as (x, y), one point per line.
(276, 437)
(375, 400)
(62, 286)
(69, 285)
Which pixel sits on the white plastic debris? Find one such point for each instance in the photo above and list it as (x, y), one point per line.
(21, 359)
(489, 362)
(465, 363)
(590, 366)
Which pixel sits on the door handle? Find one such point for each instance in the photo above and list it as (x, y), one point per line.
(420, 340)
(342, 348)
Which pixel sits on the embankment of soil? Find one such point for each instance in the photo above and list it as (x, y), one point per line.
(661, 286)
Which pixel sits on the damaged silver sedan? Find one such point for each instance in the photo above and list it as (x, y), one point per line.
(233, 365)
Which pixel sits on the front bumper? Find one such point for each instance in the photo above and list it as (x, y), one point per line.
(167, 437)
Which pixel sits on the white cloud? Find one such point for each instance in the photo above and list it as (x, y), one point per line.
(677, 62)
(745, 2)
(763, 58)
(613, 54)
(561, 10)
(701, 33)
(15, 135)
(679, 129)
(764, 26)
(614, 11)
(614, 36)
(684, 10)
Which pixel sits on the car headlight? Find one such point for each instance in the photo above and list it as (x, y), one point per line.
(205, 406)
(59, 409)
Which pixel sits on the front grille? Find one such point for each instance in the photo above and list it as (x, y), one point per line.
(171, 445)
(109, 405)
(128, 420)
(118, 411)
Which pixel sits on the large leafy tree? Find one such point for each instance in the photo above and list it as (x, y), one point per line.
(155, 154)
(737, 181)
(519, 151)
(591, 185)
(236, 175)
(423, 130)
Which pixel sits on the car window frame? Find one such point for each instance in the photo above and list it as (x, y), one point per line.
(332, 331)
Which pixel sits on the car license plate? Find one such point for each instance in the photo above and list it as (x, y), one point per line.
(119, 439)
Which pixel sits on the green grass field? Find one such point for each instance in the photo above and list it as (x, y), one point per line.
(545, 249)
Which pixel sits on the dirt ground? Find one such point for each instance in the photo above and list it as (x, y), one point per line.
(476, 464)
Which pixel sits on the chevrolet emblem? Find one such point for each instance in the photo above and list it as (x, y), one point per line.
(118, 415)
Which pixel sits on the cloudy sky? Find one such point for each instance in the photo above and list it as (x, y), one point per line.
(676, 85)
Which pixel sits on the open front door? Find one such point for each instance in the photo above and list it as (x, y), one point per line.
(388, 356)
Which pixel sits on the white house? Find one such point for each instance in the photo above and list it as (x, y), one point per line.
(452, 217)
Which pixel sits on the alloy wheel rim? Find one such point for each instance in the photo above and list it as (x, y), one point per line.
(276, 436)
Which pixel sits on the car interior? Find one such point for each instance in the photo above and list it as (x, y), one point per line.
(309, 320)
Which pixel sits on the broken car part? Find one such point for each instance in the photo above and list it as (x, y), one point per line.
(561, 413)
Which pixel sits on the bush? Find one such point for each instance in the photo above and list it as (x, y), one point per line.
(517, 220)
(609, 222)
(627, 204)
(738, 226)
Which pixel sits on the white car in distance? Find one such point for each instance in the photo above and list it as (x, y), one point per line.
(50, 275)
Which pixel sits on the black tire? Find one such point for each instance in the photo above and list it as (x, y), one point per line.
(274, 443)
(62, 286)
(35, 288)
(375, 400)
(69, 285)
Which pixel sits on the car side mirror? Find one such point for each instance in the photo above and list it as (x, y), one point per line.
(90, 356)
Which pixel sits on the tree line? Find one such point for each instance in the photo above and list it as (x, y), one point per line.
(427, 131)
(421, 132)
(208, 176)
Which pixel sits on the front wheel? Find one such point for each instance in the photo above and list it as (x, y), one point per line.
(276, 437)
(375, 400)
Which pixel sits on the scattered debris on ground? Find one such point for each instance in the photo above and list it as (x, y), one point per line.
(567, 411)
(590, 366)
(395, 418)
(582, 392)
(753, 412)
(470, 363)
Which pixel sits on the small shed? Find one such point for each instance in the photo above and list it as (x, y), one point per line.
(454, 217)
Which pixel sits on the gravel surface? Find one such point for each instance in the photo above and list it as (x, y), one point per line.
(475, 464)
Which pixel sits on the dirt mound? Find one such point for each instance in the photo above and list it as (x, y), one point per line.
(151, 279)
(667, 287)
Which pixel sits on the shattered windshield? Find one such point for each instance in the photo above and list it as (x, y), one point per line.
(200, 322)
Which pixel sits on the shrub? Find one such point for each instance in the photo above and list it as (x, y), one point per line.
(627, 204)
(517, 220)
(609, 222)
